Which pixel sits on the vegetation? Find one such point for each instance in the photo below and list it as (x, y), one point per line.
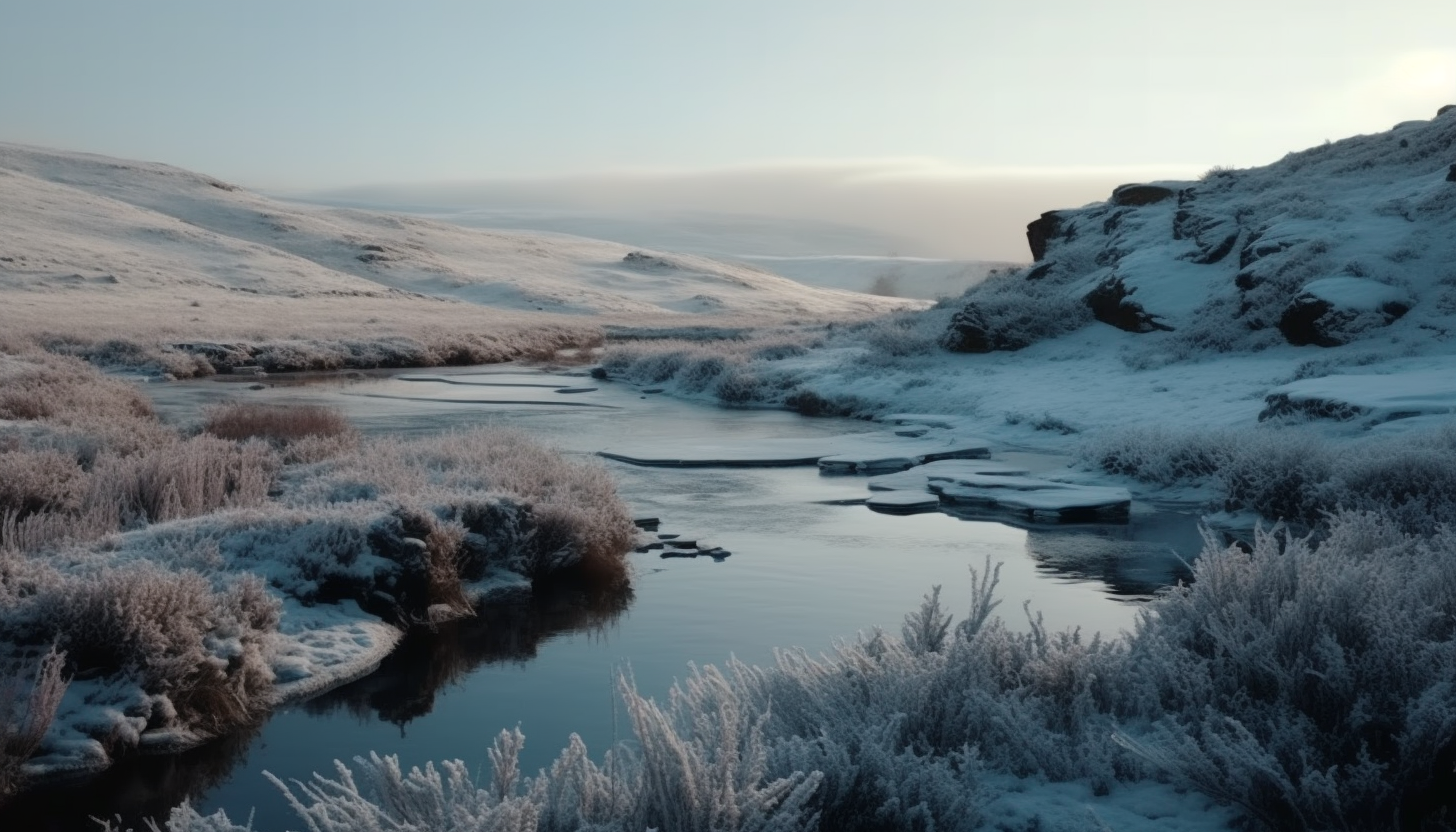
(135, 549)
(1307, 684)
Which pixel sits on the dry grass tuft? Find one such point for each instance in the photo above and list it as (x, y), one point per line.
(24, 719)
(278, 423)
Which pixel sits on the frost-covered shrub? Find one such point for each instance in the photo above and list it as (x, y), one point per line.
(738, 388)
(25, 715)
(32, 481)
(280, 423)
(204, 649)
(41, 386)
(579, 522)
(1158, 455)
(304, 433)
(1310, 685)
(1009, 312)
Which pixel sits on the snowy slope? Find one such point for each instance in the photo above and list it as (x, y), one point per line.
(1345, 242)
(1322, 286)
(71, 219)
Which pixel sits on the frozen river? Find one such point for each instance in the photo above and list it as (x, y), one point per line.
(807, 567)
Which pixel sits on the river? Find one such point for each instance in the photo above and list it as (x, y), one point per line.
(807, 567)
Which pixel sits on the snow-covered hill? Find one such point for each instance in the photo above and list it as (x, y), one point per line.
(93, 241)
(1350, 241)
(1321, 286)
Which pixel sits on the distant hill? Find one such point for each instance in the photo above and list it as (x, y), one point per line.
(99, 247)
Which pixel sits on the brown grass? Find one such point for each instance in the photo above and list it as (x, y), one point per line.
(24, 719)
(281, 424)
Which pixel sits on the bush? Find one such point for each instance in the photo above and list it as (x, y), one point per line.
(26, 715)
(277, 423)
(1311, 686)
(304, 433)
(200, 648)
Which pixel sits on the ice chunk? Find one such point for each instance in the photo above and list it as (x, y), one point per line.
(903, 502)
(917, 478)
(850, 451)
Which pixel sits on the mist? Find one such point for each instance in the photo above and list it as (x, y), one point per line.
(910, 208)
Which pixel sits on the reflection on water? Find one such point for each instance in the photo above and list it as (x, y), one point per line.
(133, 789)
(401, 690)
(405, 686)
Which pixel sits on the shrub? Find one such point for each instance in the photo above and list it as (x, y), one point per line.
(277, 423)
(201, 648)
(304, 433)
(32, 481)
(26, 715)
(1309, 685)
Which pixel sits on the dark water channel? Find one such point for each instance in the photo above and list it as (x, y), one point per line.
(805, 569)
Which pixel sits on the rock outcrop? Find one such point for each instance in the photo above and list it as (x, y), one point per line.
(1325, 247)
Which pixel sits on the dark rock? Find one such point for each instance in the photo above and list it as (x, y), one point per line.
(1182, 221)
(643, 260)
(1109, 304)
(224, 358)
(646, 523)
(1451, 174)
(372, 247)
(1113, 222)
(1210, 254)
(1445, 109)
(970, 331)
(668, 536)
(1138, 194)
(1279, 405)
(1042, 230)
(1040, 270)
(1246, 281)
(1257, 249)
(1310, 320)
(599, 373)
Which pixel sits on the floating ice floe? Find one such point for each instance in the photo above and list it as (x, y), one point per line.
(851, 453)
(1040, 499)
(918, 478)
(903, 502)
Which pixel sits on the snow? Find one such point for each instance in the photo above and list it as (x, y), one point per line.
(327, 645)
(98, 242)
(1356, 293)
(919, 477)
(1382, 397)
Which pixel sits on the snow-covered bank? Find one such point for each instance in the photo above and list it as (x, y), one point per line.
(1271, 684)
(194, 583)
(1317, 289)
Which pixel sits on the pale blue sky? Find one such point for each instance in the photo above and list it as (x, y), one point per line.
(297, 95)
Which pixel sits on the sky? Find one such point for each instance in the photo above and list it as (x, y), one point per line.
(858, 111)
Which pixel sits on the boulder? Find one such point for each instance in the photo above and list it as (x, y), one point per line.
(1138, 194)
(1335, 310)
(1042, 230)
(1445, 109)
(1109, 303)
(971, 331)
(1451, 174)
